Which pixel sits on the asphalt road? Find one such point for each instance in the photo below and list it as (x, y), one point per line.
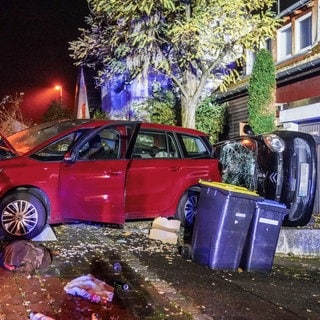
(164, 285)
(290, 291)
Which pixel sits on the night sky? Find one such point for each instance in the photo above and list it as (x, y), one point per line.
(34, 54)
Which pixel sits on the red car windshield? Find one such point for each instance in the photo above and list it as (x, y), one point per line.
(27, 139)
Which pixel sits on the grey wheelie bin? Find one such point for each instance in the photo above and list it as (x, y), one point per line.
(221, 224)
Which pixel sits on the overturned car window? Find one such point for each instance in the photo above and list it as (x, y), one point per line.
(238, 160)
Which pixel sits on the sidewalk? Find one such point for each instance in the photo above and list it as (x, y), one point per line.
(79, 250)
(43, 291)
(21, 295)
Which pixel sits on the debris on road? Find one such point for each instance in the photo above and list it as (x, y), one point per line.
(165, 230)
(117, 268)
(90, 288)
(39, 316)
(121, 285)
(25, 256)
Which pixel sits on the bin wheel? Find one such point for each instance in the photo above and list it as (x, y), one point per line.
(186, 251)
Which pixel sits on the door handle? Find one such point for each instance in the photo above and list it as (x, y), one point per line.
(114, 173)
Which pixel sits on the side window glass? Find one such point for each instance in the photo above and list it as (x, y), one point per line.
(160, 147)
(155, 145)
(104, 145)
(194, 147)
(56, 150)
(143, 146)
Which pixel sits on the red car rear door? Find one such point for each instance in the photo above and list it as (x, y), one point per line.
(159, 175)
(151, 187)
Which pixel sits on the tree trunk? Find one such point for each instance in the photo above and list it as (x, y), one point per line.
(188, 100)
(188, 113)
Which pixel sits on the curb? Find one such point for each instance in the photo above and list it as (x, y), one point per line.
(299, 242)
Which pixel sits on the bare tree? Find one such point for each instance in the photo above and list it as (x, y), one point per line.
(11, 118)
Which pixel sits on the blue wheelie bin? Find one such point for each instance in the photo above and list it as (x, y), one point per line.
(221, 224)
(261, 243)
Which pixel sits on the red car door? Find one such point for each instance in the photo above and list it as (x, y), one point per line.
(151, 187)
(93, 190)
(159, 175)
(92, 181)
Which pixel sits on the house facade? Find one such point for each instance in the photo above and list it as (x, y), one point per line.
(296, 53)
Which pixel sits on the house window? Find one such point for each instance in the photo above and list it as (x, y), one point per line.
(303, 32)
(295, 37)
(284, 41)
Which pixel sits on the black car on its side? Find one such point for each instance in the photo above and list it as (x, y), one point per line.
(280, 166)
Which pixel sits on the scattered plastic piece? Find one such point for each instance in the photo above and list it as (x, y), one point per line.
(91, 289)
(9, 267)
(39, 316)
(117, 268)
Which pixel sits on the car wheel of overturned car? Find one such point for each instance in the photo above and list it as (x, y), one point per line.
(22, 215)
(188, 207)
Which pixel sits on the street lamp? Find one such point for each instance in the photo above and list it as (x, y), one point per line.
(59, 88)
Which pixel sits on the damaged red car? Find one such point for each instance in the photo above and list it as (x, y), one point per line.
(102, 171)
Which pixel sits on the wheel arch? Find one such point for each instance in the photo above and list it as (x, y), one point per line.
(188, 191)
(192, 188)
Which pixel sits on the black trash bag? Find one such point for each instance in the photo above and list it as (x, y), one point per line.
(25, 256)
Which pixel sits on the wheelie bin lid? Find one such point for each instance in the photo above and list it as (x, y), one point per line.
(229, 187)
